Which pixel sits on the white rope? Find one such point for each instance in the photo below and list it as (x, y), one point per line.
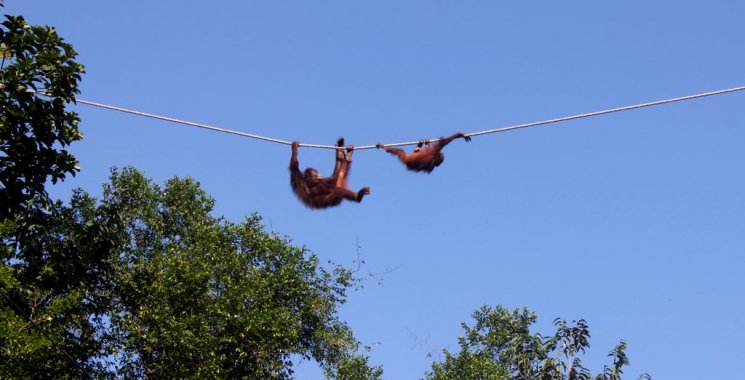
(503, 129)
(172, 120)
(627, 108)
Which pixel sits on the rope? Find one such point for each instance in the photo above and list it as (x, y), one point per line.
(620, 109)
(488, 131)
(172, 120)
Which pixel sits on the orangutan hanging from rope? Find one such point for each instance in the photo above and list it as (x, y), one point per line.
(319, 192)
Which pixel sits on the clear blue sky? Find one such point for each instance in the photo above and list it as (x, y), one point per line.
(633, 221)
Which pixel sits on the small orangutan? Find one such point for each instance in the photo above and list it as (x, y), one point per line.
(427, 159)
(321, 192)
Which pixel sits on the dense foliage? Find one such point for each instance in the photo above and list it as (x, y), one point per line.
(47, 255)
(199, 296)
(147, 284)
(500, 346)
(34, 130)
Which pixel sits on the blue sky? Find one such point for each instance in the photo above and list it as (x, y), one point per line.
(633, 221)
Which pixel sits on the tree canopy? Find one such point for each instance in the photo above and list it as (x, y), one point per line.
(34, 131)
(500, 346)
(147, 283)
(200, 295)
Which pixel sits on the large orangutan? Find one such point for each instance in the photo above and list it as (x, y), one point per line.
(427, 159)
(322, 192)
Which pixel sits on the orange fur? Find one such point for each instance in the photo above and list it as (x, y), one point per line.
(427, 159)
(319, 192)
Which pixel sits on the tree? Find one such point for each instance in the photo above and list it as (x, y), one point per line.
(45, 332)
(53, 290)
(354, 367)
(34, 130)
(199, 297)
(147, 283)
(501, 346)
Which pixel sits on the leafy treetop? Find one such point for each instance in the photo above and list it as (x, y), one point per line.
(34, 131)
(500, 346)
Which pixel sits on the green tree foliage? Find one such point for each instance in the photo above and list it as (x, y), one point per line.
(500, 346)
(146, 283)
(355, 367)
(52, 292)
(33, 130)
(197, 296)
(47, 251)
